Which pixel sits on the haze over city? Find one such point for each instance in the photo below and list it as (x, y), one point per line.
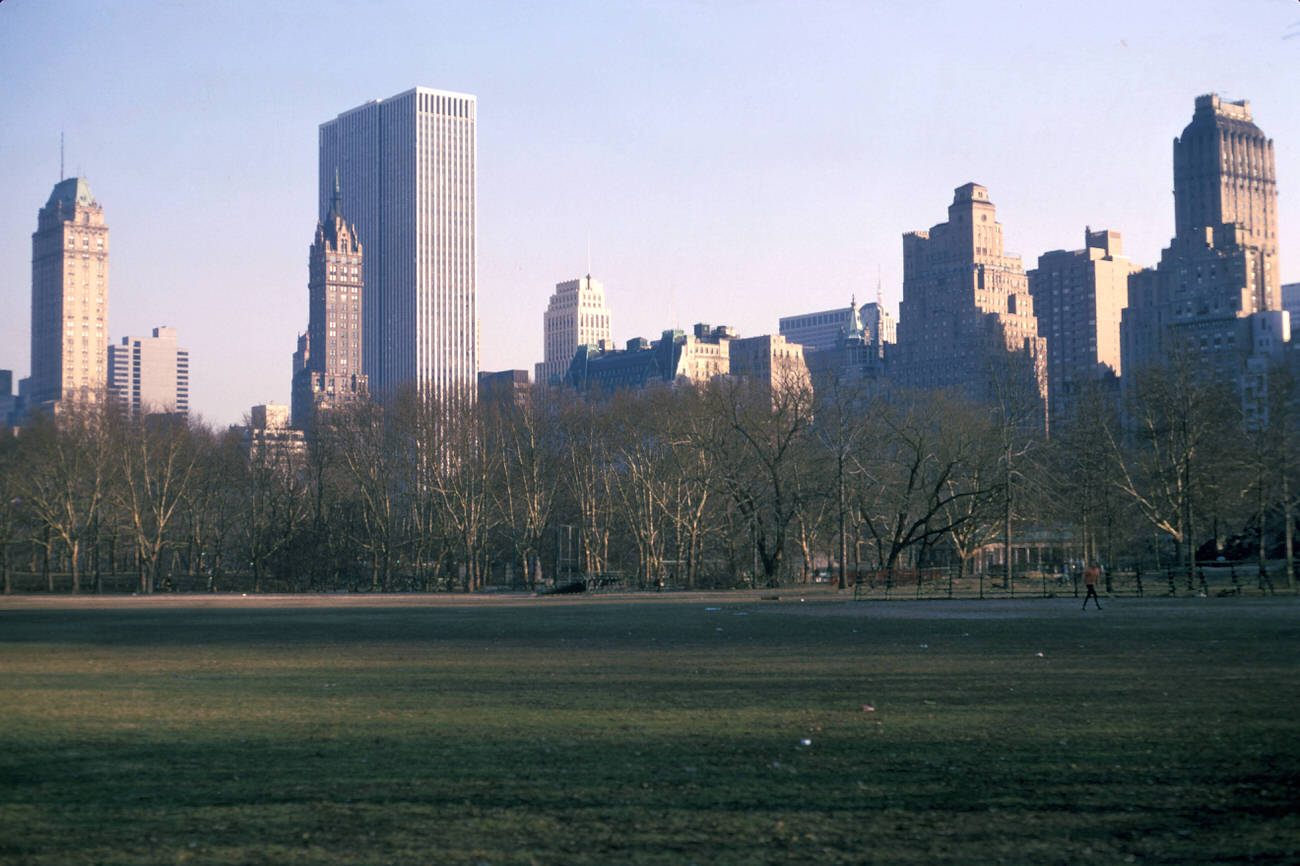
(730, 162)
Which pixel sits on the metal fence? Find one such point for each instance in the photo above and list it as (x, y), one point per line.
(1218, 578)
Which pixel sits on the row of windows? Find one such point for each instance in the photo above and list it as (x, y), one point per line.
(85, 242)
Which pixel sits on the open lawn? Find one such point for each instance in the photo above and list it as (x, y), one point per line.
(691, 729)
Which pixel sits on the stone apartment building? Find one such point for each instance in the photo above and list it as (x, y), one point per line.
(1214, 301)
(328, 365)
(1079, 298)
(575, 316)
(966, 321)
(69, 336)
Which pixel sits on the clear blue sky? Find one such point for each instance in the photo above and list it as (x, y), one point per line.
(732, 161)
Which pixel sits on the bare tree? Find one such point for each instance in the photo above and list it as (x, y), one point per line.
(586, 477)
(212, 505)
(766, 438)
(158, 458)
(1267, 462)
(72, 454)
(911, 481)
(1178, 423)
(640, 444)
(840, 427)
(691, 432)
(11, 504)
(451, 444)
(524, 432)
(1020, 417)
(275, 502)
(370, 453)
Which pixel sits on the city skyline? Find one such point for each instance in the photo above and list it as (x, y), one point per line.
(717, 179)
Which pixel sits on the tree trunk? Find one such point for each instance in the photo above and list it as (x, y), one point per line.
(1289, 517)
(45, 562)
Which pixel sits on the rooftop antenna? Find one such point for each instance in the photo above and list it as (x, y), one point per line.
(589, 255)
(60, 156)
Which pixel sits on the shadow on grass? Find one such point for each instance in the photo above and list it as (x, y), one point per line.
(641, 734)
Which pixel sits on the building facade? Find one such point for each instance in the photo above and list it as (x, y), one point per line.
(1221, 267)
(8, 399)
(825, 329)
(966, 321)
(1291, 301)
(407, 168)
(503, 386)
(269, 440)
(1224, 175)
(150, 375)
(69, 350)
(1079, 299)
(677, 357)
(576, 316)
(328, 369)
(775, 364)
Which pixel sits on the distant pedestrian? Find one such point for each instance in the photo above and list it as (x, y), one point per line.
(1090, 575)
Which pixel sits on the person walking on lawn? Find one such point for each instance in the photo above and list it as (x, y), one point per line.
(1090, 575)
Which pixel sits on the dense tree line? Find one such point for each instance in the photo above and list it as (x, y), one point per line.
(718, 485)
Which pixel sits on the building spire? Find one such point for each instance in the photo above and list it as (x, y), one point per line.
(336, 200)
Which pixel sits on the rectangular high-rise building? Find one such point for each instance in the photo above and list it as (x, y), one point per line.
(69, 298)
(407, 166)
(150, 375)
(1079, 297)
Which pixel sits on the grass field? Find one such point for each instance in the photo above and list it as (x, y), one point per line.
(697, 729)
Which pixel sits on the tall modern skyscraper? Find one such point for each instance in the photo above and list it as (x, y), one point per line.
(407, 168)
(1079, 297)
(1220, 272)
(328, 365)
(576, 316)
(150, 374)
(966, 320)
(69, 298)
